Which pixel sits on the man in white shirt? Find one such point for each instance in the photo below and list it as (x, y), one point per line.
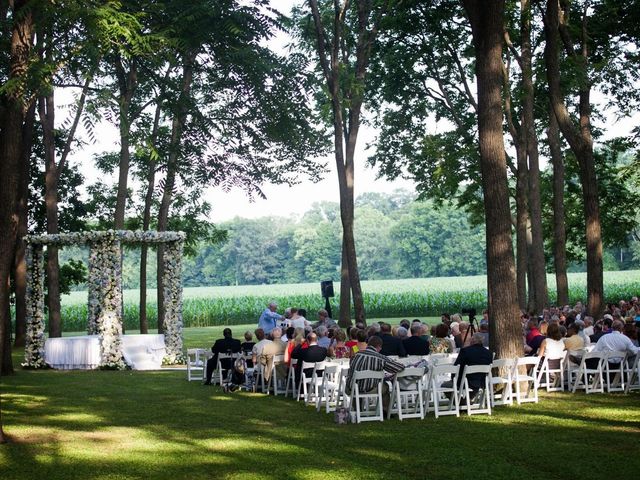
(616, 341)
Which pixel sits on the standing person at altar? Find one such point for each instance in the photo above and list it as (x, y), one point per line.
(269, 318)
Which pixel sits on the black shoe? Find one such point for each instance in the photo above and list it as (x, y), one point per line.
(208, 382)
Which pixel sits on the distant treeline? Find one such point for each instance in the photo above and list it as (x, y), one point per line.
(397, 237)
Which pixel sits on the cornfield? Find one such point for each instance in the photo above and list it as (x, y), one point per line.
(209, 306)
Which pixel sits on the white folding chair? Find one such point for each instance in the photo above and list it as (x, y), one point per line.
(478, 401)
(219, 370)
(571, 367)
(367, 405)
(196, 364)
(633, 374)
(529, 377)
(406, 400)
(291, 380)
(310, 385)
(502, 382)
(547, 373)
(329, 392)
(438, 393)
(615, 376)
(273, 382)
(590, 378)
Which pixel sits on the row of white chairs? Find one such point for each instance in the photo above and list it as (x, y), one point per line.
(593, 372)
(415, 393)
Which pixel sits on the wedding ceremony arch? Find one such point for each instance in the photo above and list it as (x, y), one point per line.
(105, 291)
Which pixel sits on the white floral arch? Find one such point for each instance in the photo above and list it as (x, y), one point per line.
(105, 292)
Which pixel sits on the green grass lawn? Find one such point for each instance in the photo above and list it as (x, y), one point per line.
(156, 425)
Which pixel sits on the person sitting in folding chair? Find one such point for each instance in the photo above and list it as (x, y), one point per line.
(614, 342)
(371, 359)
(227, 344)
(474, 354)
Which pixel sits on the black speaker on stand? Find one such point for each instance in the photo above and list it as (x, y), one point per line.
(326, 287)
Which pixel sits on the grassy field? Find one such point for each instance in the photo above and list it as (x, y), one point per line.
(208, 306)
(107, 425)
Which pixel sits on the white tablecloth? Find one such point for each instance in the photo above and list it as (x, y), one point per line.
(141, 352)
(69, 353)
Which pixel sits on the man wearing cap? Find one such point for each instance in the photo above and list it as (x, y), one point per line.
(269, 317)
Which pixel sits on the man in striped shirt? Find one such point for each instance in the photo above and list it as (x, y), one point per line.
(371, 359)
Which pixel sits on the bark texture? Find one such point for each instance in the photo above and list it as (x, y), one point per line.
(346, 105)
(12, 122)
(559, 232)
(177, 126)
(578, 135)
(487, 26)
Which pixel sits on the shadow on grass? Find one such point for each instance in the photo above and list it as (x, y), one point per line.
(130, 425)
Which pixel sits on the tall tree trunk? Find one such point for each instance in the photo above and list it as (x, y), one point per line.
(177, 125)
(559, 233)
(146, 220)
(536, 254)
(127, 83)
(487, 25)
(522, 224)
(346, 104)
(46, 110)
(12, 120)
(20, 264)
(345, 290)
(581, 143)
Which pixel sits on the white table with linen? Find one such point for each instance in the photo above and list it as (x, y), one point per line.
(141, 352)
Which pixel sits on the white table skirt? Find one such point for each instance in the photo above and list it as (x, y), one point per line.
(69, 353)
(141, 352)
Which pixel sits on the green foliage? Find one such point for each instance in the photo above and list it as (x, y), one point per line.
(618, 197)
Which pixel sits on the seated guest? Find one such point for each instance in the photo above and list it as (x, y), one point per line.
(323, 339)
(573, 341)
(247, 345)
(552, 347)
(406, 324)
(615, 341)
(597, 332)
(339, 348)
(370, 358)
(439, 343)
(270, 350)
(474, 354)
(352, 342)
(296, 339)
(631, 331)
(227, 344)
(534, 338)
(257, 348)
(425, 332)
(324, 320)
(402, 333)
(390, 344)
(361, 344)
(415, 344)
(588, 326)
(312, 354)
